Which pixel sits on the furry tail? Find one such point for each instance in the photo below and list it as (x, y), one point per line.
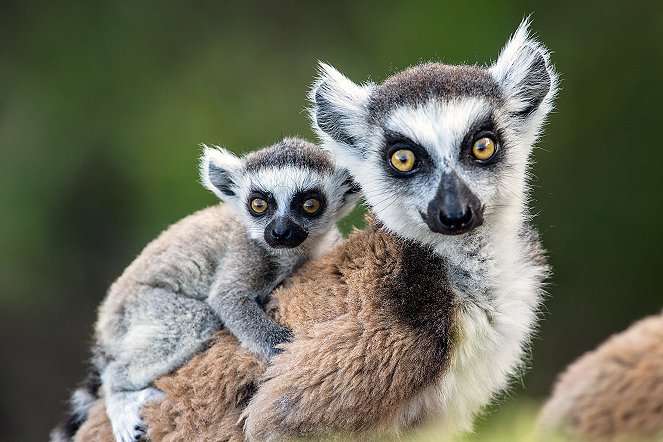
(80, 403)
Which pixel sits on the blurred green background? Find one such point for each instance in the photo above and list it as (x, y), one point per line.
(103, 105)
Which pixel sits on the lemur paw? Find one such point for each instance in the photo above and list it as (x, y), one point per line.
(123, 410)
(281, 336)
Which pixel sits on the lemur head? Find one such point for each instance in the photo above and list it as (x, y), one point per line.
(440, 148)
(286, 194)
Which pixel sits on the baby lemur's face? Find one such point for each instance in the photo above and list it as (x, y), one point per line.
(287, 195)
(285, 205)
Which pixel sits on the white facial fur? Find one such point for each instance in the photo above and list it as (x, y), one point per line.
(439, 127)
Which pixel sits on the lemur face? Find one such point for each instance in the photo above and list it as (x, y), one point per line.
(439, 148)
(443, 158)
(286, 195)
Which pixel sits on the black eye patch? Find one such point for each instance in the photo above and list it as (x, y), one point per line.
(482, 128)
(298, 200)
(395, 141)
(266, 196)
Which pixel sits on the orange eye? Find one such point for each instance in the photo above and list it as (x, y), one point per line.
(403, 160)
(311, 206)
(258, 205)
(484, 148)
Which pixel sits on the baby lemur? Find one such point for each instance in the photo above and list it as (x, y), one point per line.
(214, 269)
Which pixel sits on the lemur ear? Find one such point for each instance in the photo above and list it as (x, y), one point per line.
(220, 171)
(524, 72)
(338, 107)
(352, 191)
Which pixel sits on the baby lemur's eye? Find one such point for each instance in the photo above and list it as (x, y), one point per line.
(484, 148)
(311, 206)
(402, 160)
(258, 206)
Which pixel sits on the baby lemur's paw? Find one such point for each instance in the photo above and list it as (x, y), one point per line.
(279, 336)
(123, 410)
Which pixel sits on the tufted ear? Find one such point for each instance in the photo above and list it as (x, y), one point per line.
(351, 191)
(339, 106)
(220, 172)
(524, 72)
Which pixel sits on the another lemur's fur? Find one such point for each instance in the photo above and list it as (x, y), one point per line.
(425, 313)
(214, 269)
(614, 392)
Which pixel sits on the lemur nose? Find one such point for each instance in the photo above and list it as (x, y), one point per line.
(284, 233)
(455, 209)
(281, 232)
(456, 221)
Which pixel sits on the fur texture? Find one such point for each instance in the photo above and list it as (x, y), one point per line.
(614, 392)
(402, 324)
(357, 387)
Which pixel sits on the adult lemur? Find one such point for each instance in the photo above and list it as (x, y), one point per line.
(424, 314)
(214, 268)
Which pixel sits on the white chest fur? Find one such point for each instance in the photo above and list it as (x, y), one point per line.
(498, 289)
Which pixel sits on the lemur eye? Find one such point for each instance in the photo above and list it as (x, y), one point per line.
(402, 160)
(258, 205)
(311, 206)
(484, 148)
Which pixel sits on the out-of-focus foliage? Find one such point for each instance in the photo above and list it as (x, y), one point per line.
(103, 105)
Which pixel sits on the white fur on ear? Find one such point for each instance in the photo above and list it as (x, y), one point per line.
(524, 72)
(220, 170)
(338, 107)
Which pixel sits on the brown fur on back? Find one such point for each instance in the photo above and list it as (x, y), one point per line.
(375, 315)
(614, 392)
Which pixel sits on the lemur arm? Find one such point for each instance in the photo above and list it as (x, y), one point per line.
(234, 298)
(248, 322)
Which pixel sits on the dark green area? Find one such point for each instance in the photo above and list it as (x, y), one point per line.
(103, 104)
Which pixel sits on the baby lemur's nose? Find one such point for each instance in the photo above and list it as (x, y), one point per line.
(284, 233)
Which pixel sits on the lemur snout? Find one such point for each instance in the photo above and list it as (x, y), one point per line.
(284, 233)
(455, 209)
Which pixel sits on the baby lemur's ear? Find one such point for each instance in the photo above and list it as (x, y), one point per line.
(351, 191)
(220, 172)
(525, 74)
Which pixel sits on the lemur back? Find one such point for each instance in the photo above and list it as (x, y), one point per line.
(214, 269)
